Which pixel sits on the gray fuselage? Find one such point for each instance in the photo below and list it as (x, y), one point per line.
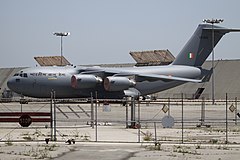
(40, 81)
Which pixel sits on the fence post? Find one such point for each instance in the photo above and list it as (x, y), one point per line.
(139, 125)
(96, 120)
(127, 113)
(203, 112)
(168, 106)
(133, 112)
(51, 111)
(54, 117)
(182, 116)
(236, 110)
(226, 119)
(92, 112)
(155, 132)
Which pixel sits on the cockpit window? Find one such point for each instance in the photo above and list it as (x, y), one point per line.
(21, 74)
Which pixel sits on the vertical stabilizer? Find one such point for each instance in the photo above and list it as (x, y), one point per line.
(199, 46)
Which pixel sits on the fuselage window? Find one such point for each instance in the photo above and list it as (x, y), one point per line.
(25, 75)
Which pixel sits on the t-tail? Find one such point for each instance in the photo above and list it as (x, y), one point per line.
(199, 46)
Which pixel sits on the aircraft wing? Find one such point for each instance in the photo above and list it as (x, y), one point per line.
(154, 77)
(140, 77)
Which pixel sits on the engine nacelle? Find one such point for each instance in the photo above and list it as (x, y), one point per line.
(118, 83)
(83, 81)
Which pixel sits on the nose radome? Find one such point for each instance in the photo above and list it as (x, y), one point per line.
(10, 83)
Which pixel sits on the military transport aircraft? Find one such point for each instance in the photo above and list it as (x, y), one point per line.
(81, 82)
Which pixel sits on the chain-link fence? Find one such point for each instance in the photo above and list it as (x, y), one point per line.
(165, 120)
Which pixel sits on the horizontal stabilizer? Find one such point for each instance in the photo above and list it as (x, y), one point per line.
(224, 30)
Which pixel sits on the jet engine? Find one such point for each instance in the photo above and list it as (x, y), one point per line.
(118, 83)
(83, 81)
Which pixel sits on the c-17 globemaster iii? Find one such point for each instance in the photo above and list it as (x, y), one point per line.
(81, 82)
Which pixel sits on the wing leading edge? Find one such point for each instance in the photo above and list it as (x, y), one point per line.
(154, 77)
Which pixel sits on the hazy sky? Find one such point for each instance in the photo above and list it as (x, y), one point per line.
(105, 31)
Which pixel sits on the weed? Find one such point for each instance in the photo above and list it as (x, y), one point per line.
(52, 147)
(198, 146)
(156, 147)
(85, 137)
(9, 140)
(76, 133)
(180, 149)
(38, 133)
(43, 154)
(235, 130)
(28, 138)
(213, 141)
(223, 147)
(184, 150)
(147, 136)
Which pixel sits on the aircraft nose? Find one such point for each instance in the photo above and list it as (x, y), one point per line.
(11, 83)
